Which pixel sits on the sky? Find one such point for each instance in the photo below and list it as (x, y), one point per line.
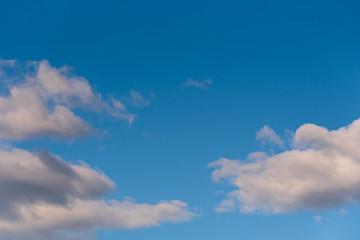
(179, 120)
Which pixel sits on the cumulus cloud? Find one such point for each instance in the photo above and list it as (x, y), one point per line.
(268, 135)
(44, 197)
(41, 195)
(38, 101)
(198, 84)
(320, 171)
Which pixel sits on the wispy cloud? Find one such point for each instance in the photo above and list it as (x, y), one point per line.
(268, 135)
(320, 171)
(137, 100)
(198, 84)
(318, 219)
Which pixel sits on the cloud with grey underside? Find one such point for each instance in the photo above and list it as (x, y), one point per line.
(42, 196)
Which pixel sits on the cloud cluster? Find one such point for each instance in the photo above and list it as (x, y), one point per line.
(320, 171)
(198, 84)
(38, 100)
(42, 196)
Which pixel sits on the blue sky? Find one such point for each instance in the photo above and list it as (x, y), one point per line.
(202, 79)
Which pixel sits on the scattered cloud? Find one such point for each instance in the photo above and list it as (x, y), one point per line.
(137, 100)
(268, 135)
(118, 105)
(198, 84)
(38, 101)
(41, 195)
(44, 197)
(320, 171)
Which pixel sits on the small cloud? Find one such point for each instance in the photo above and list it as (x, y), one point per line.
(117, 104)
(101, 148)
(152, 95)
(343, 212)
(268, 135)
(318, 219)
(226, 206)
(198, 84)
(137, 100)
(145, 134)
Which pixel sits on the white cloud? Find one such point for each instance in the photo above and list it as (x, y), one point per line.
(39, 102)
(268, 135)
(198, 84)
(43, 197)
(137, 100)
(321, 171)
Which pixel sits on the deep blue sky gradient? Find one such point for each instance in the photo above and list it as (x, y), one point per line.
(279, 63)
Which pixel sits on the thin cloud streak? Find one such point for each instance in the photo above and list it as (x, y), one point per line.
(197, 84)
(137, 100)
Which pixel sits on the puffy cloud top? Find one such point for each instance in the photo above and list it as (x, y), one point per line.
(320, 171)
(38, 101)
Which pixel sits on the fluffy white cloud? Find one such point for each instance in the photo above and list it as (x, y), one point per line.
(198, 84)
(43, 197)
(320, 171)
(268, 135)
(38, 101)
